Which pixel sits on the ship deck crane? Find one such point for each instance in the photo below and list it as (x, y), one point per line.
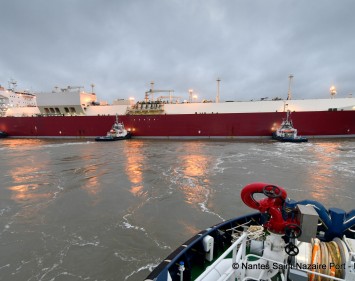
(170, 97)
(151, 92)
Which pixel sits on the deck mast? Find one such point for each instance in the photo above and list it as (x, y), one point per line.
(289, 93)
(217, 97)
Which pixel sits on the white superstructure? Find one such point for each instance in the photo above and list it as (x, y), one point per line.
(75, 101)
(11, 99)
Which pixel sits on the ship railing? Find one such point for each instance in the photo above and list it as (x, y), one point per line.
(238, 249)
(144, 111)
(233, 272)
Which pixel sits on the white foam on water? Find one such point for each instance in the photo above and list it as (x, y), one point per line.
(5, 210)
(79, 241)
(123, 257)
(4, 266)
(204, 208)
(217, 166)
(149, 266)
(189, 183)
(127, 225)
(65, 144)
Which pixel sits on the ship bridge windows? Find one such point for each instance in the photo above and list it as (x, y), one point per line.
(52, 111)
(69, 110)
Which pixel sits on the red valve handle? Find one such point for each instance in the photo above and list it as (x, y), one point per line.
(276, 196)
(272, 204)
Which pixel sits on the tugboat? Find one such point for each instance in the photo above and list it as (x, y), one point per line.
(3, 134)
(286, 132)
(117, 132)
(285, 240)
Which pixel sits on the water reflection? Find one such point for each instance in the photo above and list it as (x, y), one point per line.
(194, 167)
(321, 178)
(90, 173)
(26, 179)
(24, 193)
(134, 166)
(189, 229)
(92, 186)
(21, 144)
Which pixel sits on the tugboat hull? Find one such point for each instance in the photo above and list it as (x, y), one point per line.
(3, 135)
(128, 136)
(284, 139)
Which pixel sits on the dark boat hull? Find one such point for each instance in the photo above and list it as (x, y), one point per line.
(128, 136)
(282, 139)
(3, 135)
(191, 252)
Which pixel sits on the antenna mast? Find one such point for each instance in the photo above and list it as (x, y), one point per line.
(12, 85)
(217, 97)
(150, 91)
(289, 94)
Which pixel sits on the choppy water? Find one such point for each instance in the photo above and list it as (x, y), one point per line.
(80, 210)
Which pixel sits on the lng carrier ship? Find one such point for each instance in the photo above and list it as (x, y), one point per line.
(74, 113)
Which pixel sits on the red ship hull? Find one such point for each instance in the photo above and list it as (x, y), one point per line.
(226, 125)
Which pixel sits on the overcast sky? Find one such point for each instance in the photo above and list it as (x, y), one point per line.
(123, 45)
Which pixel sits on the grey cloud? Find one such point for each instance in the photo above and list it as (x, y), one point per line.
(121, 46)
